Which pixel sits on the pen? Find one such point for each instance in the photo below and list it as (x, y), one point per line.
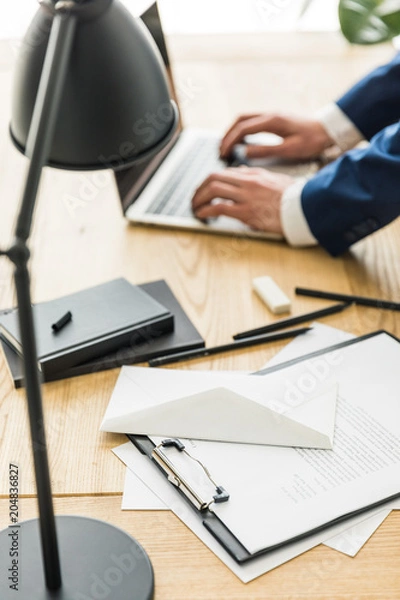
(244, 343)
(282, 323)
(361, 300)
(62, 322)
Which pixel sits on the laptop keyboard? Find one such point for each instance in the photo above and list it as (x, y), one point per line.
(201, 160)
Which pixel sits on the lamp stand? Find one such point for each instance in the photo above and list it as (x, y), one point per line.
(95, 560)
(98, 562)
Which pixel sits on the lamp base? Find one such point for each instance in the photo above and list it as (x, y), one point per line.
(98, 562)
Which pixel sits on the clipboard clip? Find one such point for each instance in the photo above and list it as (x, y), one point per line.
(180, 481)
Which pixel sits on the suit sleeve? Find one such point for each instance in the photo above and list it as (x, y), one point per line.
(374, 102)
(355, 195)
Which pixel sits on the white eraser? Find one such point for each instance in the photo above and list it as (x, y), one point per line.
(271, 294)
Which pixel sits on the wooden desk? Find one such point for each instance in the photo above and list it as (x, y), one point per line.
(81, 239)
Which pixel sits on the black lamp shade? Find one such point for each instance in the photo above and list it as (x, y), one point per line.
(116, 105)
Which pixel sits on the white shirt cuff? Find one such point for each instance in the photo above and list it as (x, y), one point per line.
(294, 223)
(339, 127)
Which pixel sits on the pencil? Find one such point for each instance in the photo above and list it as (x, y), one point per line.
(361, 300)
(244, 343)
(282, 323)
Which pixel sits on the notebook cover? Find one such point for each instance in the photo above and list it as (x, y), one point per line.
(104, 318)
(184, 337)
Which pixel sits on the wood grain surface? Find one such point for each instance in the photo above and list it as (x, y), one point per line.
(81, 239)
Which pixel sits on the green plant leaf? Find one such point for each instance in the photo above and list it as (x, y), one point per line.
(369, 21)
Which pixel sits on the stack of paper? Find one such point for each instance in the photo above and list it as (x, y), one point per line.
(148, 478)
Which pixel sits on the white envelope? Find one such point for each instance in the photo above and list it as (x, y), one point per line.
(219, 406)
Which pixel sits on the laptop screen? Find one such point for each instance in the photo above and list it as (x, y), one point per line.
(132, 180)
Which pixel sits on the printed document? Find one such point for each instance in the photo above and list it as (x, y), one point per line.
(278, 493)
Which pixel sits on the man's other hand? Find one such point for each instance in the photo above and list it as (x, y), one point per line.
(301, 138)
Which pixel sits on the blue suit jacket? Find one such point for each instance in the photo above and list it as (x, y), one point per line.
(360, 192)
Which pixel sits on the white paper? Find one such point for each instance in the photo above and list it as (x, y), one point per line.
(137, 496)
(322, 336)
(143, 469)
(319, 337)
(303, 488)
(221, 407)
(353, 539)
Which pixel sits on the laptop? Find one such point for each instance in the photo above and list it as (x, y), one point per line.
(158, 191)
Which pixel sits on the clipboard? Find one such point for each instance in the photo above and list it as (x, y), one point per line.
(211, 521)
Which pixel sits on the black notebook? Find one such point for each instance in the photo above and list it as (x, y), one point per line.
(104, 318)
(184, 337)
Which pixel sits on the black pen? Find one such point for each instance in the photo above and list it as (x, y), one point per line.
(65, 319)
(361, 300)
(282, 323)
(244, 343)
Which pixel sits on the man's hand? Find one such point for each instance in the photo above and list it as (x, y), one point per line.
(250, 195)
(301, 138)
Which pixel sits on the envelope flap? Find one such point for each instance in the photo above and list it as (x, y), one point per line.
(220, 414)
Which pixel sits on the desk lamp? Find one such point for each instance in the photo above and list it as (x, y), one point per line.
(87, 76)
